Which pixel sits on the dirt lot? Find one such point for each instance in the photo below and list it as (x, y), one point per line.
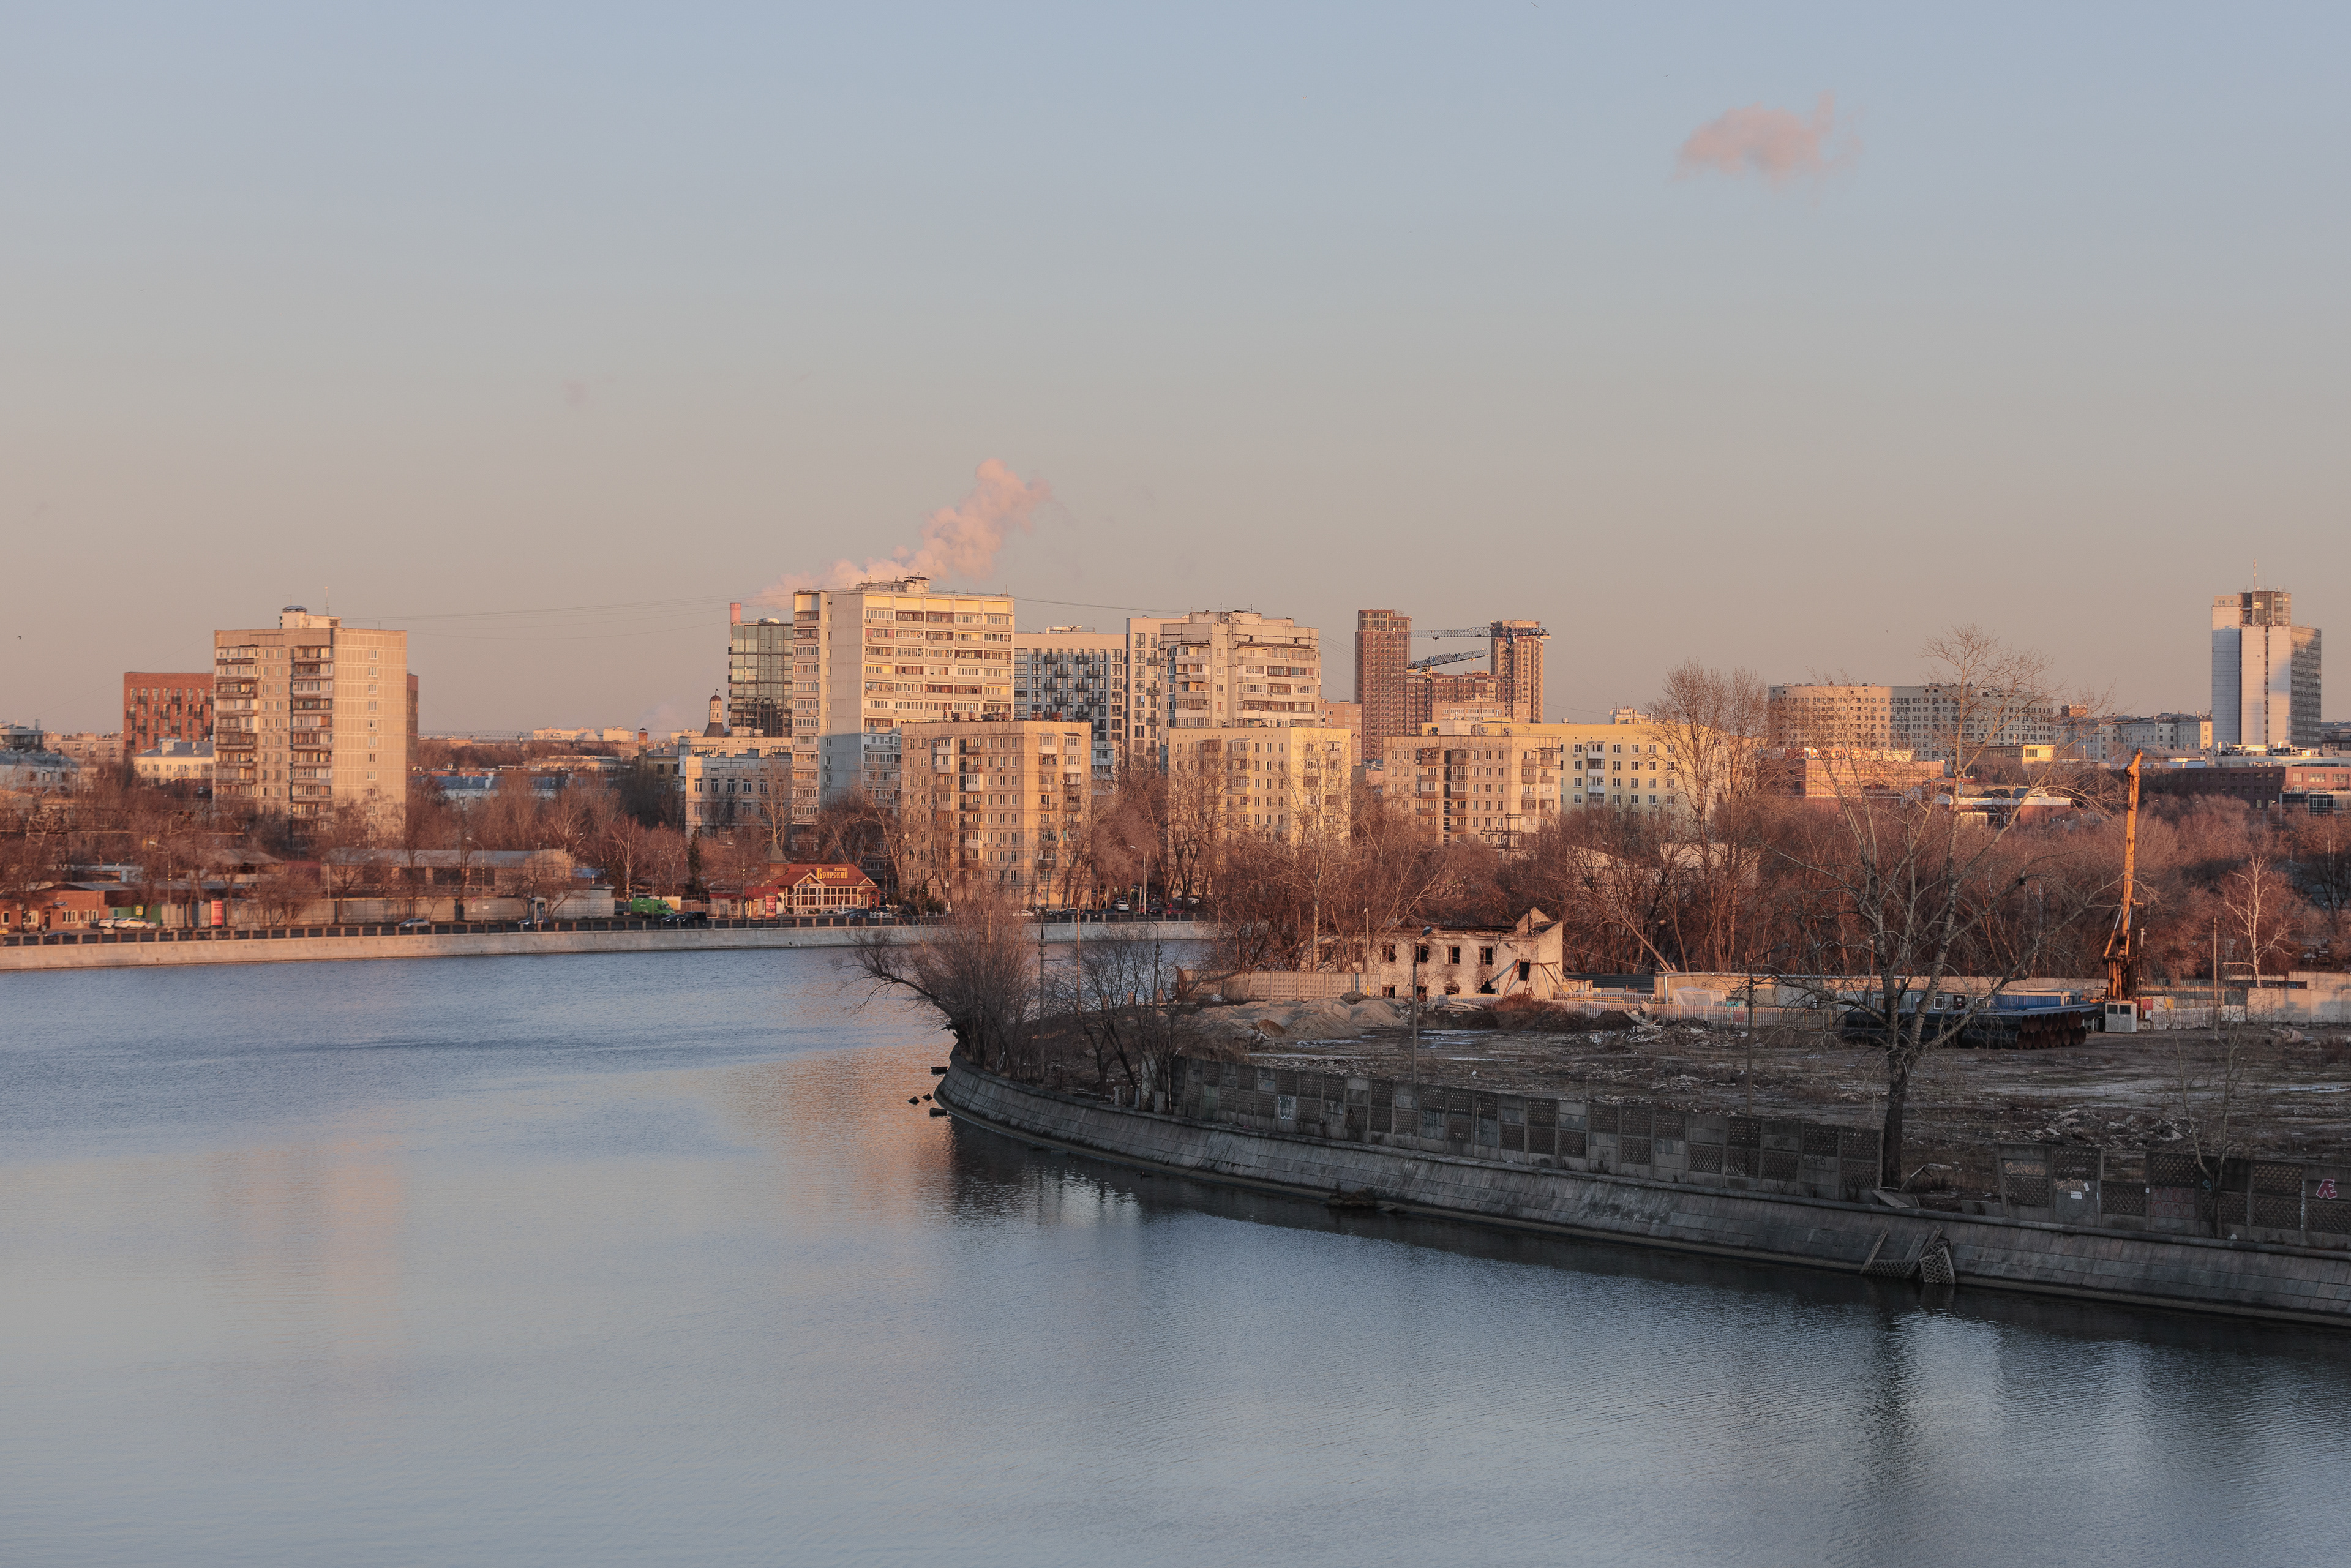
(2291, 1094)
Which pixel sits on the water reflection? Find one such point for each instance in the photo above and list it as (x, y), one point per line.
(589, 1262)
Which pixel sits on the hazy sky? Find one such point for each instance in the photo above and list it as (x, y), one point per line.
(1605, 316)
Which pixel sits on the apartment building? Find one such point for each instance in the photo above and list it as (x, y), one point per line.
(1489, 783)
(90, 748)
(1936, 721)
(1287, 783)
(1515, 655)
(1235, 668)
(176, 762)
(309, 716)
(2096, 737)
(729, 784)
(1931, 722)
(1434, 696)
(1383, 649)
(1830, 716)
(864, 662)
(1843, 772)
(1069, 674)
(2266, 672)
(992, 803)
(1348, 717)
(160, 708)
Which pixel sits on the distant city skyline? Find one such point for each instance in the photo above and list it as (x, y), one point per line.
(1776, 340)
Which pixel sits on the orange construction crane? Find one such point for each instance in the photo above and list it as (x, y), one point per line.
(2122, 943)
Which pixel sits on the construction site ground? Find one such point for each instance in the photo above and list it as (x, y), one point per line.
(2288, 1094)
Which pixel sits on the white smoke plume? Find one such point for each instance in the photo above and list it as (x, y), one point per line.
(958, 541)
(1772, 142)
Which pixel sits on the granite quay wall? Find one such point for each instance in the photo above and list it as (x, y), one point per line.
(2290, 1202)
(475, 939)
(1471, 1180)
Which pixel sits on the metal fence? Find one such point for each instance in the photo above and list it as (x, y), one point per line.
(2292, 1202)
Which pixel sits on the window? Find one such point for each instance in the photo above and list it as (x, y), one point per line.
(1453, 954)
(1485, 955)
(1387, 954)
(1420, 953)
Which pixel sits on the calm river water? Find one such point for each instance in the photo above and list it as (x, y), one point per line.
(646, 1258)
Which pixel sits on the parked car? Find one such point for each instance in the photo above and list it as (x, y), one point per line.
(414, 923)
(126, 923)
(1121, 907)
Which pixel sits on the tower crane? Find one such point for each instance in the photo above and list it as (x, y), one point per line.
(1506, 632)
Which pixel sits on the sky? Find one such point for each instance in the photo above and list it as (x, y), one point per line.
(1778, 337)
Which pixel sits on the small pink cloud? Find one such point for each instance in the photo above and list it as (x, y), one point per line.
(1780, 146)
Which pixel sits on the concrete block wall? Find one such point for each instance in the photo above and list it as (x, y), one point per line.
(2234, 1278)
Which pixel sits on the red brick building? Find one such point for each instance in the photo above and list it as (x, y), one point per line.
(157, 707)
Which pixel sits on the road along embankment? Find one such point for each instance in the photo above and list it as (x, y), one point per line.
(2237, 1279)
(141, 949)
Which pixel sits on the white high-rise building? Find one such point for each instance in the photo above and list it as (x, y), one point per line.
(2264, 672)
(868, 659)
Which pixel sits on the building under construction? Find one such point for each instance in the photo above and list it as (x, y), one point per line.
(1400, 693)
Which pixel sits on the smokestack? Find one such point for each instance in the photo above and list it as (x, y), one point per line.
(734, 614)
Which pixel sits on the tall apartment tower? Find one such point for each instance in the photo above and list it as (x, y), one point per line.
(868, 659)
(2264, 672)
(311, 715)
(1070, 674)
(1382, 648)
(1515, 655)
(1237, 669)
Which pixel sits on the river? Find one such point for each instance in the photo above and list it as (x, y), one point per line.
(647, 1258)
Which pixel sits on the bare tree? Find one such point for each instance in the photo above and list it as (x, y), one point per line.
(1120, 998)
(280, 893)
(1905, 892)
(624, 848)
(972, 970)
(2263, 911)
(344, 841)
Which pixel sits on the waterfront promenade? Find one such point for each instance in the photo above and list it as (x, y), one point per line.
(478, 939)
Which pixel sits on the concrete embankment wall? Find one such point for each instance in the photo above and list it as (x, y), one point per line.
(133, 951)
(2236, 1279)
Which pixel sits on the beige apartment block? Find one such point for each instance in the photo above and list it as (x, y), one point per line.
(1348, 717)
(1829, 773)
(1495, 782)
(1224, 669)
(868, 660)
(1937, 721)
(1852, 716)
(1288, 783)
(993, 803)
(1470, 781)
(310, 715)
(736, 784)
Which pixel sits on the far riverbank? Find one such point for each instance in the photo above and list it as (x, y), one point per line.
(484, 939)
